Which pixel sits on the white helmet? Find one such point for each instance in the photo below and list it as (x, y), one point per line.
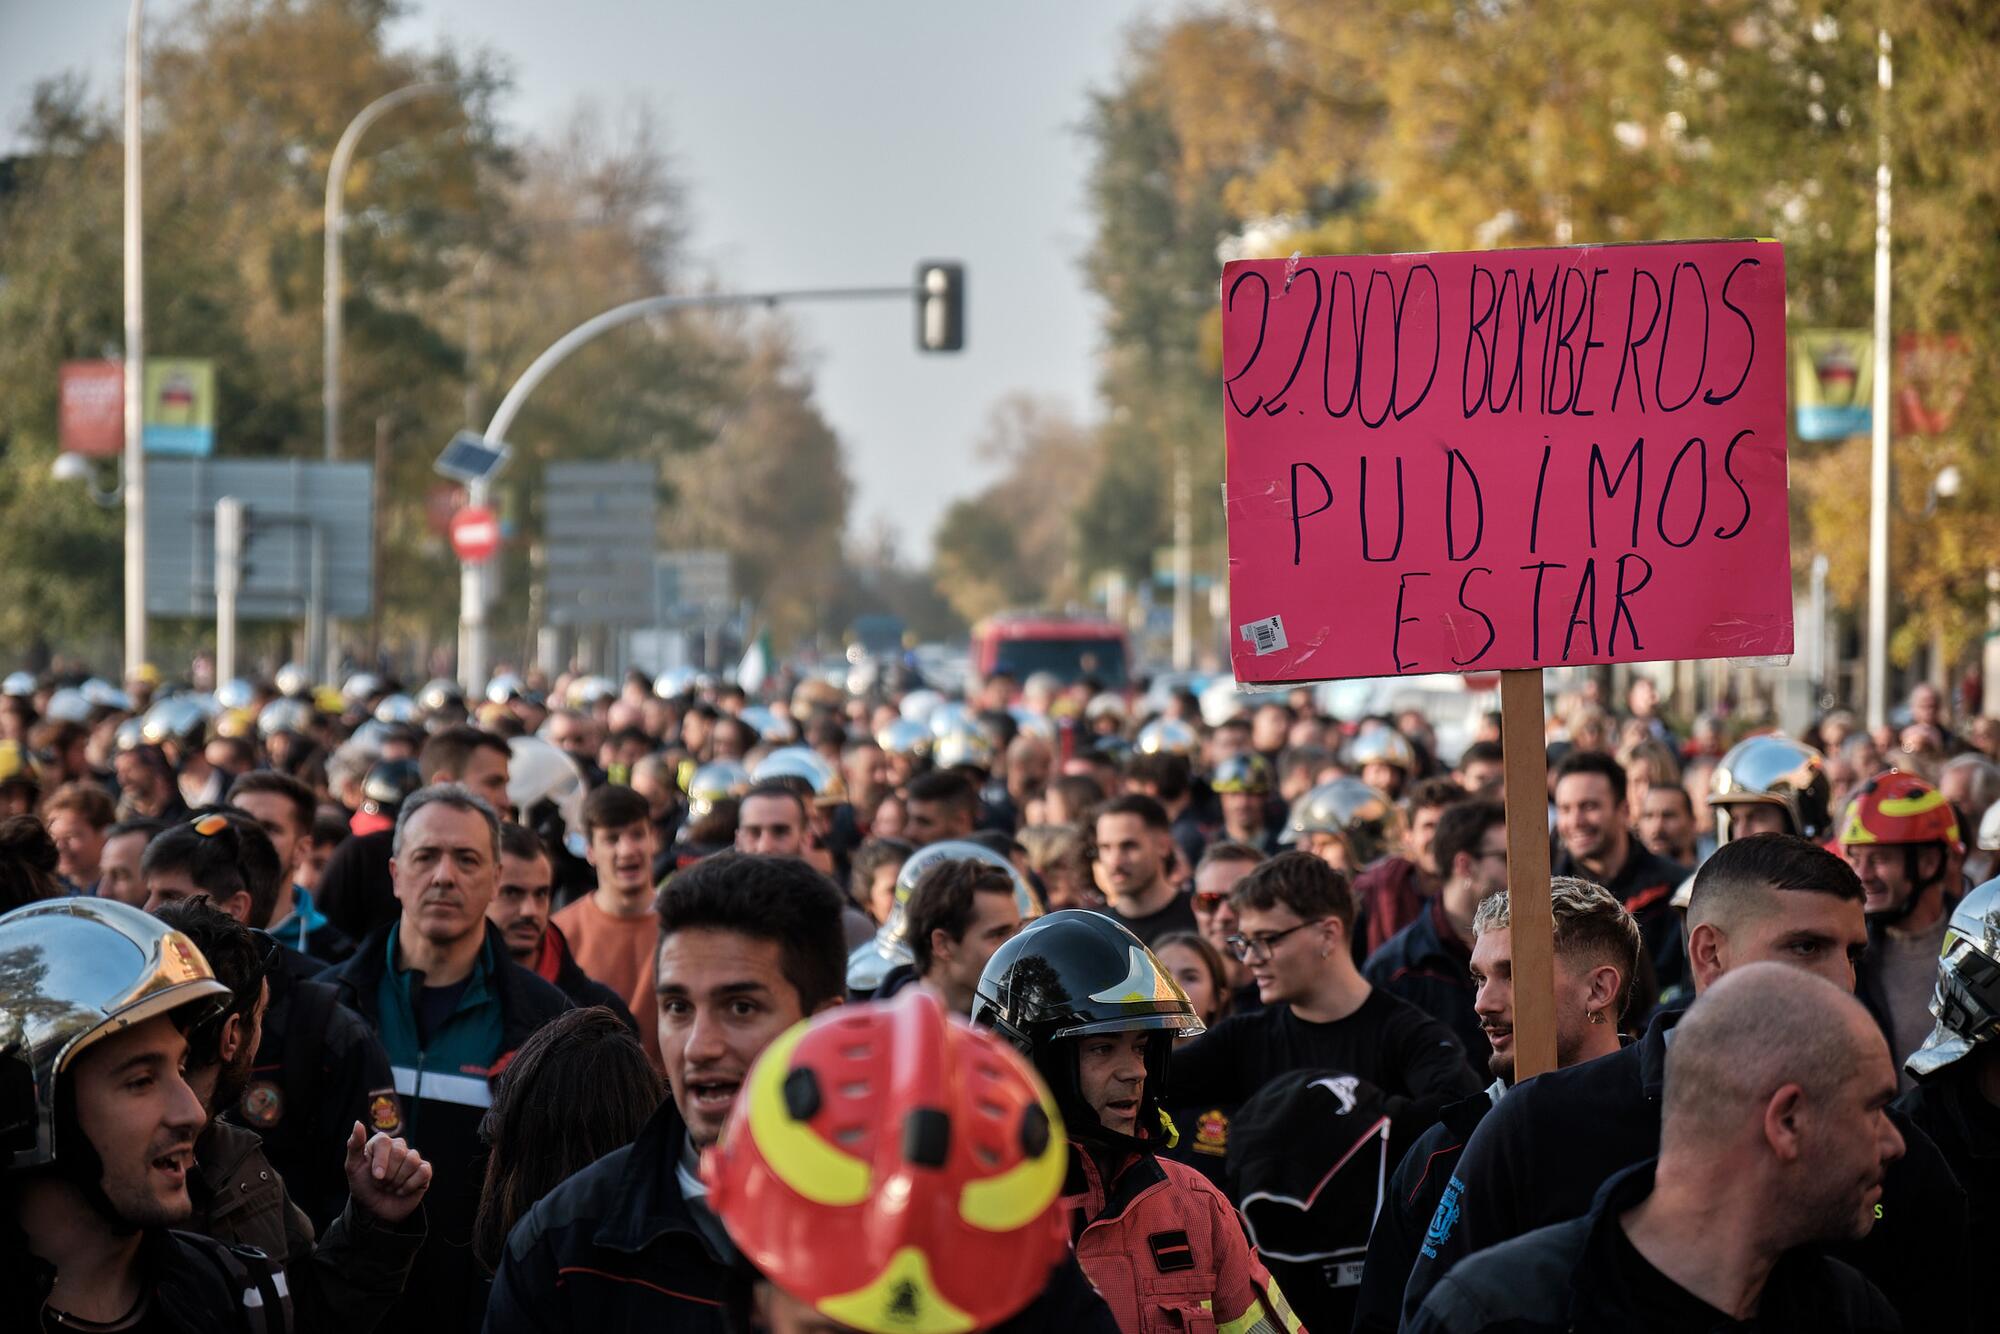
(539, 771)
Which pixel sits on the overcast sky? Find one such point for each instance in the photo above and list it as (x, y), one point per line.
(825, 144)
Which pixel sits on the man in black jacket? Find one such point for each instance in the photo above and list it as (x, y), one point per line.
(1540, 1156)
(102, 1125)
(451, 1008)
(1774, 1141)
(1596, 958)
(1597, 845)
(749, 945)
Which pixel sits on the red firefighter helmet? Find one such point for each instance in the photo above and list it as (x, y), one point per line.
(896, 1169)
(1895, 807)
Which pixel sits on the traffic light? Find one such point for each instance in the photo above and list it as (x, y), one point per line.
(940, 307)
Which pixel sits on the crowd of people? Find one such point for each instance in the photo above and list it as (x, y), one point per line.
(608, 1005)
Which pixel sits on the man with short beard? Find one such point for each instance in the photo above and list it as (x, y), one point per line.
(95, 1186)
(1775, 1141)
(520, 909)
(1596, 955)
(347, 1280)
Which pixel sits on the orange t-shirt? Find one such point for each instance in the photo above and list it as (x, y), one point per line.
(619, 952)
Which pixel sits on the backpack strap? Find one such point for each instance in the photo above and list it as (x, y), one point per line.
(254, 1281)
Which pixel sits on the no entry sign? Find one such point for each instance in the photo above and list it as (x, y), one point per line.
(475, 534)
(1507, 459)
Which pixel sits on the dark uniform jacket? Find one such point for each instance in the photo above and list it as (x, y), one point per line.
(1429, 966)
(319, 1068)
(442, 1110)
(1579, 1276)
(1412, 1198)
(1966, 1129)
(1540, 1156)
(616, 1250)
(344, 1282)
(198, 1286)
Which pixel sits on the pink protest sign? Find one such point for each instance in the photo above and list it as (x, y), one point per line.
(1517, 458)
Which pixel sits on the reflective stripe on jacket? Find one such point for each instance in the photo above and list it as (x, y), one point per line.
(1163, 1248)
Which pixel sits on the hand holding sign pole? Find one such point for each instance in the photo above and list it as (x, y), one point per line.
(1505, 461)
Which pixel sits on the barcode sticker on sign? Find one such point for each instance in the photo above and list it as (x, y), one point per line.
(1265, 636)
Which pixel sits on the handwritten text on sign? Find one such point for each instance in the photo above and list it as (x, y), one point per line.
(1467, 462)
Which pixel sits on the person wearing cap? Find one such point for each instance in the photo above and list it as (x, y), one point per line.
(952, 1158)
(1087, 1003)
(1956, 1099)
(102, 1131)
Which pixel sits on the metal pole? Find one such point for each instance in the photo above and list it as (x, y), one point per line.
(135, 361)
(336, 189)
(1878, 462)
(473, 585)
(228, 580)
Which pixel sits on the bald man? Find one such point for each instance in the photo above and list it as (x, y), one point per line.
(1541, 1155)
(1775, 1140)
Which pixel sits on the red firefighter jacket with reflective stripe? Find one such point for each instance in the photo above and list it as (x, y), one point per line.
(1163, 1248)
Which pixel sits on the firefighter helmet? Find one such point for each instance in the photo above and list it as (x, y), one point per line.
(1774, 770)
(87, 968)
(1967, 999)
(924, 1143)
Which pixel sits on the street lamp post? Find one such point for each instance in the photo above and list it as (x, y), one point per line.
(135, 362)
(318, 641)
(474, 596)
(1878, 460)
(336, 191)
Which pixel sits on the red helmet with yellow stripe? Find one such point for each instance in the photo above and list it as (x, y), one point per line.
(896, 1169)
(1895, 807)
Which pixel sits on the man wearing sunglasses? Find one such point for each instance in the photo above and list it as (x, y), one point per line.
(1294, 916)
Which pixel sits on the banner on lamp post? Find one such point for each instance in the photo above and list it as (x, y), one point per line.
(180, 406)
(93, 408)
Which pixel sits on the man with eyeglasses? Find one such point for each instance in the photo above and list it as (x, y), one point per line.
(1295, 914)
(1222, 867)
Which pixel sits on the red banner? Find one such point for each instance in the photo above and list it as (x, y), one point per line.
(1475, 461)
(93, 407)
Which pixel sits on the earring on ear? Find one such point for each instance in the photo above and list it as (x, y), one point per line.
(1597, 1016)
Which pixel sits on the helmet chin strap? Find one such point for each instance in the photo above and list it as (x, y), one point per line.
(77, 1161)
(1058, 1065)
(1897, 915)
